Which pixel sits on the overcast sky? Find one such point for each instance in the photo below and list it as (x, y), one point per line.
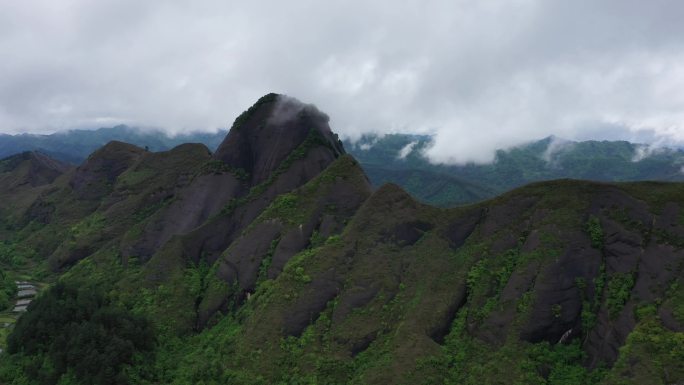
(480, 75)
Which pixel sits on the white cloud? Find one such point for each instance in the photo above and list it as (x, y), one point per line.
(644, 151)
(477, 75)
(556, 146)
(406, 150)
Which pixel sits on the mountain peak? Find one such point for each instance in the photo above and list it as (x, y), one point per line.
(271, 130)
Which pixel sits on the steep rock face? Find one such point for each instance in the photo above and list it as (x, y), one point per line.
(579, 287)
(555, 315)
(136, 196)
(215, 235)
(276, 146)
(305, 218)
(643, 255)
(190, 206)
(386, 256)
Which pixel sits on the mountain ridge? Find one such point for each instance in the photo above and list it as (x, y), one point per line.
(438, 184)
(294, 269)
(74, 146)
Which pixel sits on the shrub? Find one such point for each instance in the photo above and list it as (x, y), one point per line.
(595, 231)
(619, 290)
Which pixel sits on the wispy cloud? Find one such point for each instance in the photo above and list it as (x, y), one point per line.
(406, 150)
(556, 146)
(643, 151)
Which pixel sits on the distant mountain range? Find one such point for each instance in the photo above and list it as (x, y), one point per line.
(74, 146)
(398, 158)
(546, 159)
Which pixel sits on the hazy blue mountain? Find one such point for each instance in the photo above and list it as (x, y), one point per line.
(546, 159)
(74, 146)
(438, 184)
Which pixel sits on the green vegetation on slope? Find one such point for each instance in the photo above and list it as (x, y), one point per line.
(440, 313)
(77, 335)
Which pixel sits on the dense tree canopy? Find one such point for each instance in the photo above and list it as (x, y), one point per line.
(7, 290)
(78, 333)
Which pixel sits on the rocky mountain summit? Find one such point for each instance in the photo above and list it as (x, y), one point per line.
(272, 260)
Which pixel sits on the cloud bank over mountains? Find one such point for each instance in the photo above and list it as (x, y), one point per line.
(477, 75)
